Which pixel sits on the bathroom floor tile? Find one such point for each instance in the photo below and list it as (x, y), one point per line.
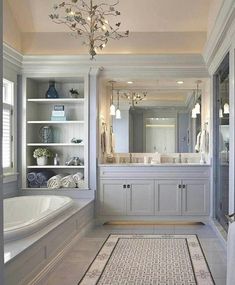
(74, 264)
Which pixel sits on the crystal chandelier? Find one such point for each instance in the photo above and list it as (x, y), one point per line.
(89, 20)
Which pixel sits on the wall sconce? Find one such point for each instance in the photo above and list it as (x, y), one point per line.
(112, 106)
(118, 112)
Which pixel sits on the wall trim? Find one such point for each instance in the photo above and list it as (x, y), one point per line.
(222, 24)
(12, 56)
(162, 65)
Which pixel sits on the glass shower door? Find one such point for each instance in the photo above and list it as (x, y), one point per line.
(222, 142)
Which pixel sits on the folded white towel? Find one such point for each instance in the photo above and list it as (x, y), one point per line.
(54, 182)
(231, 255)
(68, 182)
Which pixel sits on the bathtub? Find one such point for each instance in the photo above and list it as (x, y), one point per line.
(26, 215)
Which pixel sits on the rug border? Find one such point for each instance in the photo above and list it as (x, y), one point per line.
(123, 234)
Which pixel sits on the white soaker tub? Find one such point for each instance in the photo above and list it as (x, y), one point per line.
(26, 215)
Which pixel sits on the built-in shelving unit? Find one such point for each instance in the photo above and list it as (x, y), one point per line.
(38, 111)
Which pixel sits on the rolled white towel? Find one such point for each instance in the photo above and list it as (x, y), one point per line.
(81, 184)
(77, 177)
(68, 182)
(54, 182)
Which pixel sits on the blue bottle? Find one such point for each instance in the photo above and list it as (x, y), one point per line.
(51, 92)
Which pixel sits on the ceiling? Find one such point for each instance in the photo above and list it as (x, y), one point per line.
(156, 27)
(136, 15)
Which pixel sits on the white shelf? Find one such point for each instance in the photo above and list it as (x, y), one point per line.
(55, 122)
(57, 189)
(57, 166)
(58, 100)
(55, 144)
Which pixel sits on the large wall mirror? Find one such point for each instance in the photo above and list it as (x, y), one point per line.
(156, 116)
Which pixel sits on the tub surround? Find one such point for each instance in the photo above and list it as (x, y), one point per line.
(34, 255)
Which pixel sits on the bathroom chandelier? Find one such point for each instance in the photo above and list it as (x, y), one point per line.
(89, 20)
(197, 108)
(135, 97)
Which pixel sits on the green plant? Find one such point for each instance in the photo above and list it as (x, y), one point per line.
(39, 152)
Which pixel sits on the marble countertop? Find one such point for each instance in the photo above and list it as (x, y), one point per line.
(152, 165)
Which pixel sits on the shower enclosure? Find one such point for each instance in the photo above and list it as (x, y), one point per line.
(221, 139)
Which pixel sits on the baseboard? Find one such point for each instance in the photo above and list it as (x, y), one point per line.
(51, 265)
(143, 223)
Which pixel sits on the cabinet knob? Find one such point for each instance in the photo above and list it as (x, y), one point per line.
(179, 186)
(124, 186)
(183, 186)
(128, 186)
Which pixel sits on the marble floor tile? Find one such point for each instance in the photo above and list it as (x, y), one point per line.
(74, 264)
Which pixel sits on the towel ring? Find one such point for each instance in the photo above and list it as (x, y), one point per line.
(230, 218)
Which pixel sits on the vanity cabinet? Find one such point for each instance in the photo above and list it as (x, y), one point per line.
(168, 197)
(126, 197)
(154, 191)
(182, 197)
(195, 197)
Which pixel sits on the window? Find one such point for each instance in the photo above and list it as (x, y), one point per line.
(8, 127)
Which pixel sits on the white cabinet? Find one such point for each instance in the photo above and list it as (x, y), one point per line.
(112, 197)
(187, 197)
(195, 197)
(37, 115)
(126, 197)
(162, 191)
(168, 197)
(140, 197)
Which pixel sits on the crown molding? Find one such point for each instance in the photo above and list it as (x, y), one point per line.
(224, 24)
(181, 65)
(12, 57)
(145, 66)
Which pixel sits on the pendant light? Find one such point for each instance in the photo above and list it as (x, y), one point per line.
(112, 106)
(118, 112)
(197, 105)
(226, 108)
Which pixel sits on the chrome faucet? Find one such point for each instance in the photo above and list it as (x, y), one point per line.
(180, 158)
(130, 157)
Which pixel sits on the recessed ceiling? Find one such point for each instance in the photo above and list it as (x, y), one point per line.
(156, 27)
(136, 15)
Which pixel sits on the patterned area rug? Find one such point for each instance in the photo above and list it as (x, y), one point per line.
(149, 259)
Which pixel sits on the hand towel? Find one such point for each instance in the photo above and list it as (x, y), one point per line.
(204, 141)
(231, 255)
(197, 146)
(54, 182)
(103, 142)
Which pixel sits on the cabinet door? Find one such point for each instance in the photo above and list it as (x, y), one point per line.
(168, 197)
(140, 197)
(112, 197)
(195, 197)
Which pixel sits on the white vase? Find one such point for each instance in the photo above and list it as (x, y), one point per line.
(42, 160)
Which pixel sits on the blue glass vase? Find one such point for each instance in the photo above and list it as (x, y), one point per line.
(51, 92)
